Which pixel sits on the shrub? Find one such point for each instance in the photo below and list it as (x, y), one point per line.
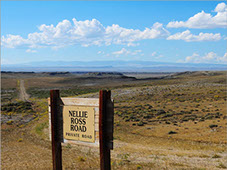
(221, 165)
(81, 159)
(172, 132)
(216, 156)
(68, 146)
(138, 167)
(10, 122)
(20, 140)
(18, 107)
(216, 96)
(160, 112)
(140, 123)
(212, 126)
(167, 115)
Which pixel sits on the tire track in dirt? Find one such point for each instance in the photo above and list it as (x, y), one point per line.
(23, 95)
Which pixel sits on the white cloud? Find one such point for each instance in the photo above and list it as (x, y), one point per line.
(101, 52)
(156, 55)
(124, 51)
(119, 35)
(84, 33)
(193, 58)
(31, 51)
(188, 36)
(11, 41)
(223, 59)
(221, 7)
(210, 57)
(204, 20)
(130, 44)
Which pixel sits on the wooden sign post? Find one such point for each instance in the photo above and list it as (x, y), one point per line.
(55, 137)
(105, 128)
(82, 121)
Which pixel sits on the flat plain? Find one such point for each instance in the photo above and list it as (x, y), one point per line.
(161, 121)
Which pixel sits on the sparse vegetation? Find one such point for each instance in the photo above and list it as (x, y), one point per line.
(39, 128)
(20, 140)
(159, 124)
(172, 132)
(212, 126)
(81, 159)
(216, 156)
(221, 165)
(17, 107)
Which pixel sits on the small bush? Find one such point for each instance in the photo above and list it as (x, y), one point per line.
(21, 126)
(172, 132)
(81, 159)
(140, 123)
(138, 167)
(20, 140)
(18, 107)
(160, 112)
(212, 126)
(221, 165)
(216, 156)
(216, 96)
(68, 146)
(10, 122)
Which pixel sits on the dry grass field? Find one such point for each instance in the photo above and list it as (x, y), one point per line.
(177, 122)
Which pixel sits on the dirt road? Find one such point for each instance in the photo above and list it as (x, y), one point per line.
(23, 95)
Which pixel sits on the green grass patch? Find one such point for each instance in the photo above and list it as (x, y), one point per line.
(39, 128)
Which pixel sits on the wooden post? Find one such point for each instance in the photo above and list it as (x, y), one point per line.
(105, 129)
(56, 142)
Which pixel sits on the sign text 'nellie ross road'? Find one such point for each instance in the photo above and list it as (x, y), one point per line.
(78, 123)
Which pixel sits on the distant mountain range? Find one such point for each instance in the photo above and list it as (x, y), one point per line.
(119, 66)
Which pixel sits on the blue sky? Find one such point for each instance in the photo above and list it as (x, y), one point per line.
(177, 31)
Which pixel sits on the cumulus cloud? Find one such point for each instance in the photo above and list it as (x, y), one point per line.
(223, 59)
(188, 36)
(210, 57)
(204, 20)
(124, 51)
(85, 33)
(11, 41)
